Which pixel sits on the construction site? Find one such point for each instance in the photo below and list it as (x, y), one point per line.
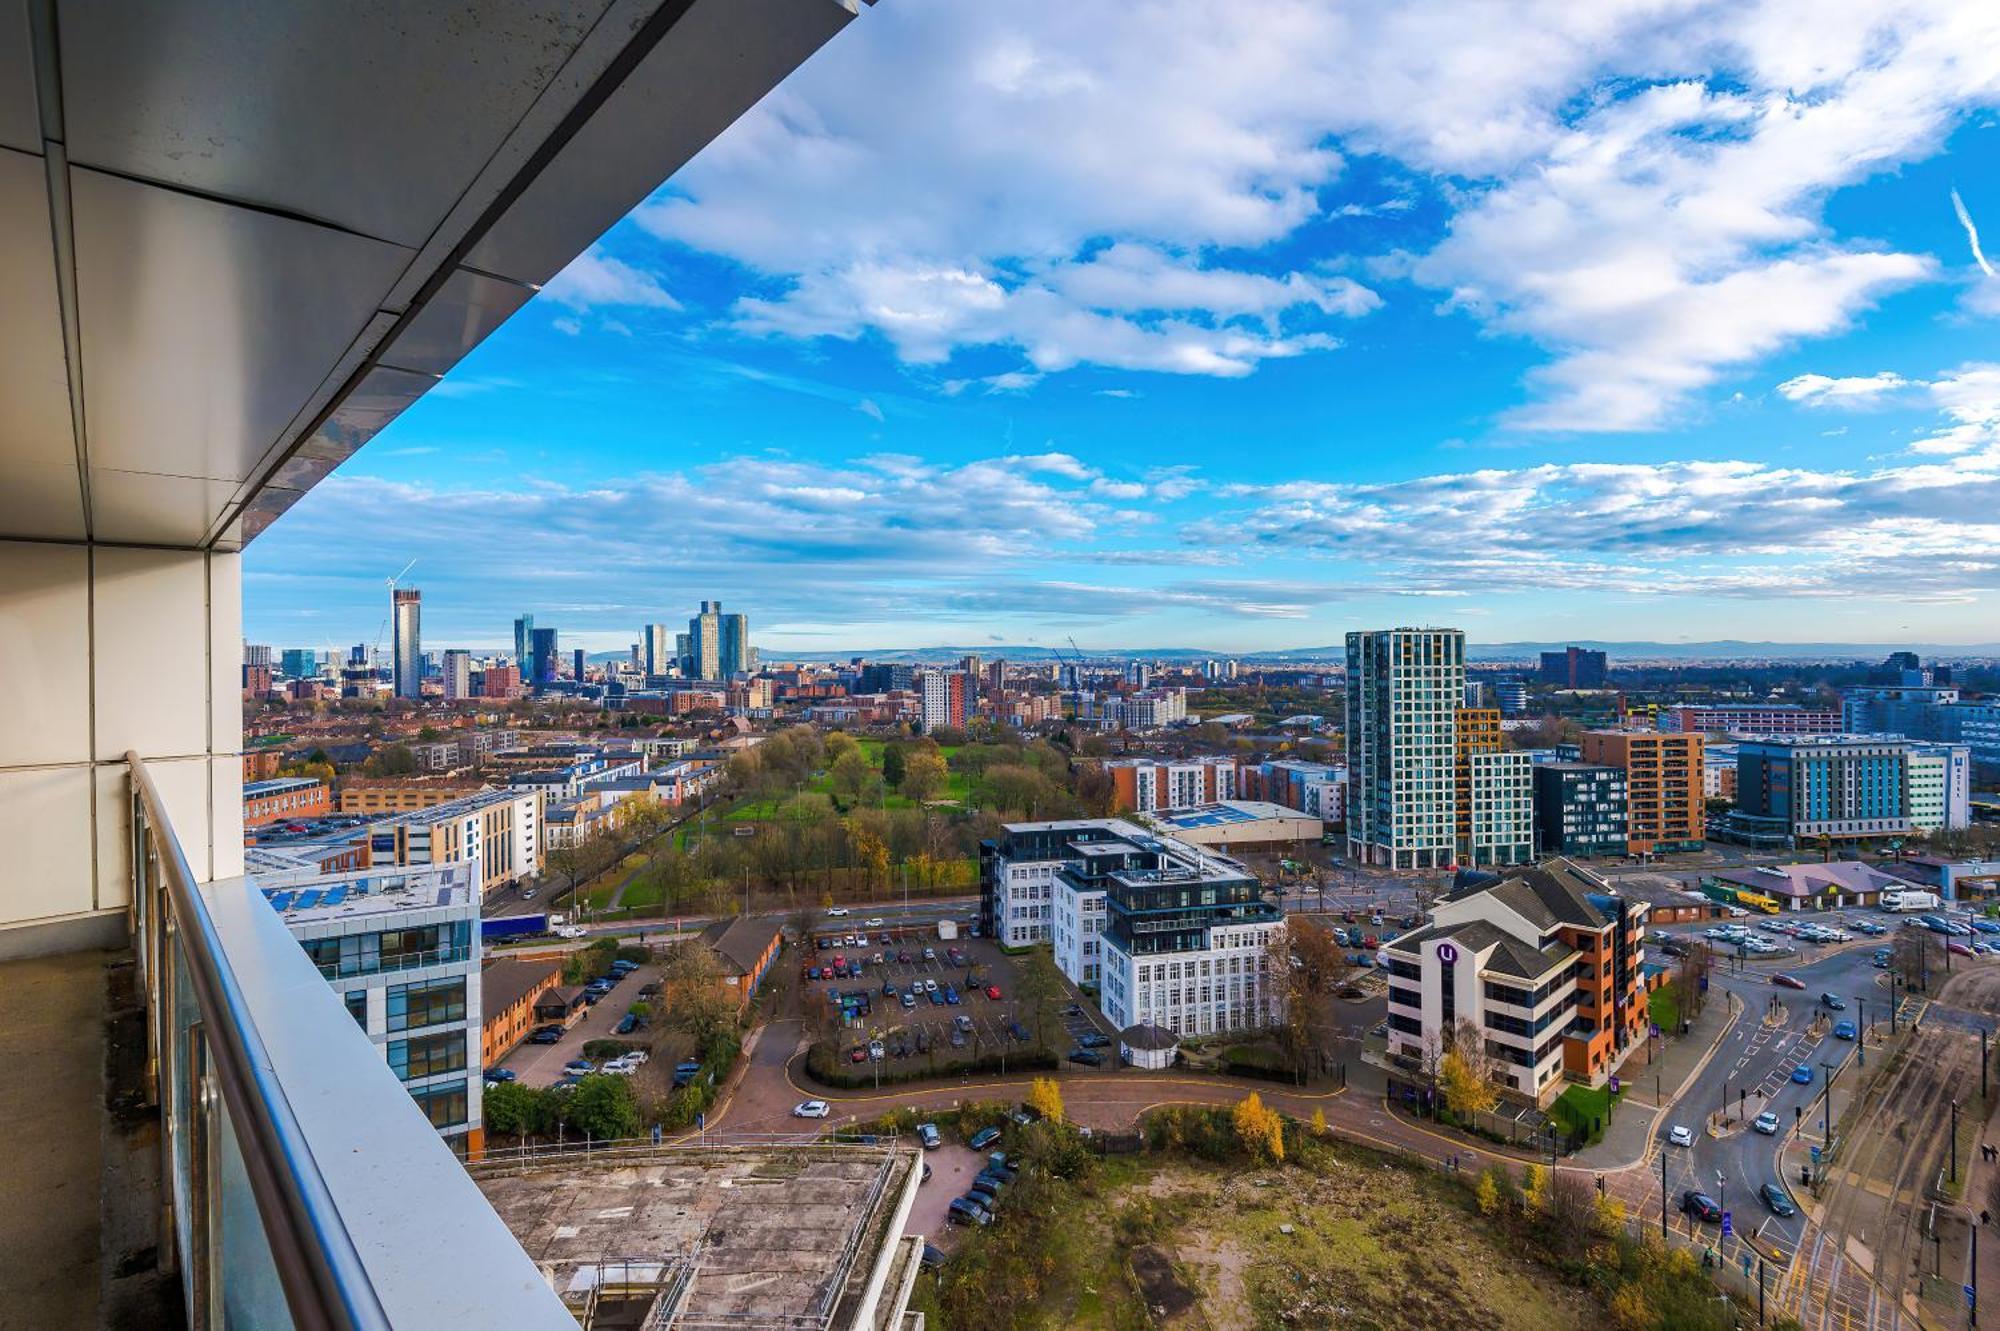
(747, 1237)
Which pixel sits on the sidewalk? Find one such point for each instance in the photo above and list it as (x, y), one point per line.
(1649, 1089)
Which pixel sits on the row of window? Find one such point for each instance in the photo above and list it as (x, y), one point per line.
(391, 949)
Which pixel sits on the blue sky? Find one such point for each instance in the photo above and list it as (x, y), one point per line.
(1236, 327)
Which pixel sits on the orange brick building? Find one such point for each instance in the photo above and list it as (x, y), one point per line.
(1478, 732)
(1663, 786)
(507, 994)
(284, 798)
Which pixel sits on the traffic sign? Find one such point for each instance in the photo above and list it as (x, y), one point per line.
(1746, 1265)
(1815, 1154)
(1614, 1085)
(1656, 1030)
(1727, 1228)
(1971, 1295)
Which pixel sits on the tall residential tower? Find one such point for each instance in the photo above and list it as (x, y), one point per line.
(1404, 689)
(406, 607)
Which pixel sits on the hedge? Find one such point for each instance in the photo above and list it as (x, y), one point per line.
(825, 1064)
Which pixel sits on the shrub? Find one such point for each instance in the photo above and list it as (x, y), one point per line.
(1487, 1193)
(1260, 1131)
(1045, 1098)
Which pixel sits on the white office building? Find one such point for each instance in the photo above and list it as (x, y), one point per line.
(1940, 787)
(401, 949)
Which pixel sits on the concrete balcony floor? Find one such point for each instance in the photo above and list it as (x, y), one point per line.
(52, 1032)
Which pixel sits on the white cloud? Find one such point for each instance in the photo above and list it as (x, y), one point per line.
(1818, 390)
(567, 326)
(594, 278)
(867, 407)
(1638, 184)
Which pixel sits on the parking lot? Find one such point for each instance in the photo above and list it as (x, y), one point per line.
(911, 977)
(542, 1064)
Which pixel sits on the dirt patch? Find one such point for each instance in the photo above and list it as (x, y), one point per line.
(1226, 1263)
(1164, 1292)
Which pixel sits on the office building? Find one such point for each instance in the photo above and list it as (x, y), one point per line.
(300, 662)
(524, 644)
(1404, 688)
(1940, 787)
(1573, 668)
(1580, 810)
(885, 678)
(1805, 789)
(656, 651)
(401, 950)
(456, 669)
(542, 655)
(577, 665)
(273, 232)
(1751, 719)
(1546, 965)
(406, 608)
(507, 994)
(1663, 786)
(718, 644)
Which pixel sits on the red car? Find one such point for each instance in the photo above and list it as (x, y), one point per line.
(993, 992)
(1960, 949)
(857, 1055)
(1371, 942)
(1788, 982)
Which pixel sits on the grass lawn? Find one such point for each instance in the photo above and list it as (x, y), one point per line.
(1577, 1108)
(1665, 1006)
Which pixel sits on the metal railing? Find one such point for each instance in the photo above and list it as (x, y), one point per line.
(207, 1061)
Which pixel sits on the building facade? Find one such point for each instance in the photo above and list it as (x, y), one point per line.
(1404, 688)
(1837, 787)
(1573, 668)
(542, 655)
(1580, 810)
(457, 672)
(1146, 785)
(401, 950)
(1751, 719)
(1500, 821)
(497, 832)
(1940, 787)
(285, 798)
(1663, 786)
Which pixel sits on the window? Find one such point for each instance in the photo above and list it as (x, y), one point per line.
(415, 1005)
(428, 1055)
(444, 1105)
(357, 1006)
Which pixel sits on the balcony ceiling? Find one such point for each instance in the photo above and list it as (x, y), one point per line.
(237, 239)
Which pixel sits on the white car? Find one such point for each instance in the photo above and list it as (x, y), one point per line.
(1680, 1136)
(635, 1057)
(811, 1109)
(930, 986)
(567, 931)
(875, 923)
(837, 912)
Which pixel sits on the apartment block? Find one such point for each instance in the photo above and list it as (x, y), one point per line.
(1500, 823)
(1751, 719)
(1580, 810)
(1478, 732)
(1663, 785)
(1940, 787)
(498, 832)
(1404, 690)
(285, 798)
(1146, 785)
(1546, 965)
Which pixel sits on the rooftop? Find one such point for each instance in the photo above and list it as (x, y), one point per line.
(308, 896)
(752, 1236)
(1227, 812)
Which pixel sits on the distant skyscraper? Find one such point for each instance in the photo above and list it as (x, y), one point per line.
(524, 642)
(1574, 668)
(718, 644)
(656, 649)
(577, 658)
(301, 662)
(1404, 689)
(255, 654)
(406, 607)
(457, 668)
(541, 657)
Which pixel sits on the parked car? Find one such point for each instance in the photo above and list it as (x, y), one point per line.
(930, 986)
(1088, 1057)
(1766, 1123)
(957, 1039)
(1959, 949)
(1018, 1031)
(980, 1197)
(685, 1073)
(494, 1075)
(547, 1035)
(933, 1256)
(811, 1109)
(909, 1001)
(1094, 1040)
(875, 923)
(951, 996)
(1776, 1198)
(963, 1212)
(626, 1024)
(993, 992)
(984, 1138)
(930, 954)
(927, 1133)
(579, 1067)
(1788, 982)
(1701, 1206)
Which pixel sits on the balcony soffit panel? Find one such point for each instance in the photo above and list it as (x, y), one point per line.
(35, 422)
(205, 325)
(20, 121)
(146, 508)
(372, 115)
(453, 321)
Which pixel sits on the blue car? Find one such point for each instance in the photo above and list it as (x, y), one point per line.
(1802, 1074)
(951, 996)
(1843, 1030)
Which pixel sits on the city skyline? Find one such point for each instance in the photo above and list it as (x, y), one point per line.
(1657, 328)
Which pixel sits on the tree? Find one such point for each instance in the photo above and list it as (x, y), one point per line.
(1487, 1194)
(1571, 1208)
(1534, 1184)
(892, 765)
(851, 772)
(604, 1107)
(1045, 1098)
(693, 999)
(1039, 986)
(1467, 1072)
(925, 775)
(1690, 984)
(510, 1109)
(1259, 1130)
(390, 760)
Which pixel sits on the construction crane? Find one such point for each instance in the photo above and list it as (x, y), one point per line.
(1076, 678)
